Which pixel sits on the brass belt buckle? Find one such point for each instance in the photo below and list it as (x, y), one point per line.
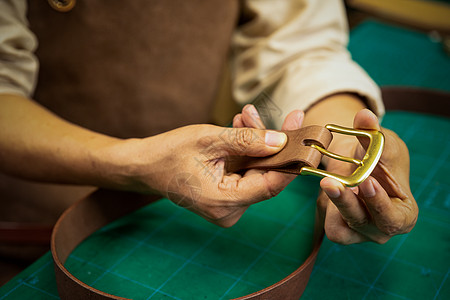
(365, 166)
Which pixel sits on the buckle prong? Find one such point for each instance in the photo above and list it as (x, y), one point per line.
(365, 166)
(337, 156)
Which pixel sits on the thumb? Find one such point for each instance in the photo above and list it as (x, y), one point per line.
(253, 142)
(365, 119)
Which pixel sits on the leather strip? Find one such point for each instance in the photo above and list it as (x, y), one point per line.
(417, 99)
(25, 233)
(102, 207)
(77, 223)
(296, 153)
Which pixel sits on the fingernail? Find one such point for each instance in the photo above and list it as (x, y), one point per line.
(333, 192)
(275, 139)
(300, 116)
(253, 111)
(367, 188)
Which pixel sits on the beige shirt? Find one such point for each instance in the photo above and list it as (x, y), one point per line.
(293, 49)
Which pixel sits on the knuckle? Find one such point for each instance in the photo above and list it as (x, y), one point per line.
(391, 228)
(338, 239)
(265, 195)
(322, 202)
(337, 236)
(243, 138)
(396, 145)
(274, 191)
(378, 209)
(357, 223)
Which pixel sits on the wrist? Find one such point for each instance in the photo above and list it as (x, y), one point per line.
(116, 165)
(337, 109)
(142, 165)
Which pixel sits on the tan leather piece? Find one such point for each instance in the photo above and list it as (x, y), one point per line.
(102, 207)
(296, 153)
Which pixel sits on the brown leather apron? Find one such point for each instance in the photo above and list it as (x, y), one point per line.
(123, 68)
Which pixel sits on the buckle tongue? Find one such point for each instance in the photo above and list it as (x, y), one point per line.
(365, 166)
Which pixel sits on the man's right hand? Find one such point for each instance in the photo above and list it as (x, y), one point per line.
(188, 166)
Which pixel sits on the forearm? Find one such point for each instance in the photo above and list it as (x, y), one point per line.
(38, 145)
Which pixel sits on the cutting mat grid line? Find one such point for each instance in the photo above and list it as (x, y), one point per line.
(442, 284)
(354, 265)
(47, 294)
(244, 240)
(388, 262)
(399, 260)
(87, 262)
(196, 253)
(433, 170)
(136, 246)
(22, 281)
(266, 249)
(84, 261)
(367, 285)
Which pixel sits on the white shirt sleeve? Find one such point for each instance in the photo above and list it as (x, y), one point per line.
(18, 65)
(296, 51)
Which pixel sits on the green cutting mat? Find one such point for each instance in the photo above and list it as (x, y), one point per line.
(163, 252)
(395, 56)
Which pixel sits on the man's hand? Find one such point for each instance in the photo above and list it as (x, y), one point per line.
(187, 166)
(382, 206)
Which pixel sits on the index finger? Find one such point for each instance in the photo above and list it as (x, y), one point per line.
(386, 216)
(255, 187)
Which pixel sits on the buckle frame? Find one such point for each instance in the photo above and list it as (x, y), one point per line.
(365, 166)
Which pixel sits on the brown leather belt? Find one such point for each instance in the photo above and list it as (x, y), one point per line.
(296, 154)
(102, 207)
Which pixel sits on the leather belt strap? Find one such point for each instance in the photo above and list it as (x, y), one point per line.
(102, 207)
(296, 154)
(417, 100)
